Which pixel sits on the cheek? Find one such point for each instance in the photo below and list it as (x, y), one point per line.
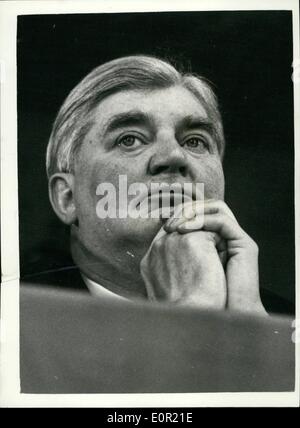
(90, 176)
(211, 174)
(87, 178)
(92, 173)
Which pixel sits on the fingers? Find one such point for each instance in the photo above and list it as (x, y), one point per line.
(191, 214)
(212, 216)
(213, 206)
(225, 226)
(183, 213)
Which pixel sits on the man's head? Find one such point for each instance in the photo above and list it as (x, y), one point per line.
(138, 117)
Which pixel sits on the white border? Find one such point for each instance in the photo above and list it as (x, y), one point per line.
(9, 375)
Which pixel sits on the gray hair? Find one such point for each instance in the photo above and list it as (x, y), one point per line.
(74, 119)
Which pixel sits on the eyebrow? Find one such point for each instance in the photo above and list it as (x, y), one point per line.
(129, 118)
(139, 118)
(192, 122)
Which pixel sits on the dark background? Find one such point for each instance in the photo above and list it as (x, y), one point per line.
(247, 55)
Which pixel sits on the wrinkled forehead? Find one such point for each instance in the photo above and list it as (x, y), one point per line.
(155, 106)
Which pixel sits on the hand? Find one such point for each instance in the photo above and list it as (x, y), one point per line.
(238, 252)
(185, 269)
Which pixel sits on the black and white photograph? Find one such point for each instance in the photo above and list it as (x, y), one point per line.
(149, 164)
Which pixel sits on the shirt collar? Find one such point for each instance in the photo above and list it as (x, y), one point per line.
(100, 291)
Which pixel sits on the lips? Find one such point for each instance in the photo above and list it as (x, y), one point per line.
(162, 202)
(166, 199)
(160, 199)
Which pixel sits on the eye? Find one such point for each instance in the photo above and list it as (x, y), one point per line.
(129, 142)
(196, 144)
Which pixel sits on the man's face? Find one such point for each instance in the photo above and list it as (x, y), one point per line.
(161, 135)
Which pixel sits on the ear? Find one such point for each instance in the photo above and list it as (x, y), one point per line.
(61, 195)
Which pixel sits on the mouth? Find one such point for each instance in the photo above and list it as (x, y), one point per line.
(161, 202)
(167, 199)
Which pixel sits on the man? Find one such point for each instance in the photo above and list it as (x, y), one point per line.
(166, 240)
(139, 117)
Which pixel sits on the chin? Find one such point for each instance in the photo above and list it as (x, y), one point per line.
(141, 230)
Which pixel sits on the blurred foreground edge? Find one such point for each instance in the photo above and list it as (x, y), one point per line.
(73, 343)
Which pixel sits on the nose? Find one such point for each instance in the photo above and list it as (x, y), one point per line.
(169, 157)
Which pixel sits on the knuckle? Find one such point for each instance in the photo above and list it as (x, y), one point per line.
(224, 208)
(252, 245)
(186, 240)
(221, 218)
(207, 236)
(220, 205)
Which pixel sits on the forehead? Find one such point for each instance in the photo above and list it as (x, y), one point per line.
(168, 104)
